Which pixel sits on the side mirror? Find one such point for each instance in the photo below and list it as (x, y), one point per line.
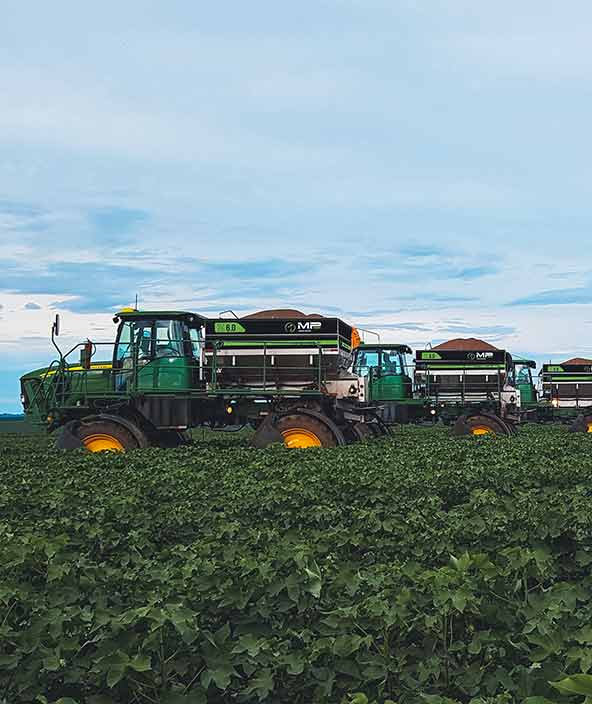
(56, 325)
(86, 354)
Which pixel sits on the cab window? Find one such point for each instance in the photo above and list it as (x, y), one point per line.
(392, 362)
(168, 338)
(365, 360)
(196, 342)
(124, 350)
(523, 376)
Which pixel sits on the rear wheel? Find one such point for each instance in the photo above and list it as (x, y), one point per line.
(582, 424)
(171, 438)
(102, 435)
(299, 430)
(480, 425)
(364, 431)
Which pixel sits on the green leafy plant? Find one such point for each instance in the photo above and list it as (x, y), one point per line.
(415, 569)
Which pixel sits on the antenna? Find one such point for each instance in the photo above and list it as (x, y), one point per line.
(136, 306)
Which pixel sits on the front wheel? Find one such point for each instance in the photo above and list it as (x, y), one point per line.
(299, 430)
(480, 425)
(582, 424)
(99, 436)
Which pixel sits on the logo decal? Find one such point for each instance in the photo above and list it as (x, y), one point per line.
(307, 326)
(479, 355)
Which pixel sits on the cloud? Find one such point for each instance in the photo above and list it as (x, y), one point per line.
(409, 262)
(417, 327)
(565, 296)
(421, 250)
(32, 306)
(438, 298)
(472, 330)
(476, 272)
(18, 216)
(92, 287)
(259, 269)
(113, 221)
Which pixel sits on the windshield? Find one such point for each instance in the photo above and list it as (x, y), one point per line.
(392, 362)
(523, 375)
(388, 361)
(151, 339)
(365, 360)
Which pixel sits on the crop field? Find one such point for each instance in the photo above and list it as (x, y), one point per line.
(417, 568)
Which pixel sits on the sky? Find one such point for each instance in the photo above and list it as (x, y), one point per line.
(420, 169)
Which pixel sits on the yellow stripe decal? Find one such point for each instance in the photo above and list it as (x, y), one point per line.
(94, 367)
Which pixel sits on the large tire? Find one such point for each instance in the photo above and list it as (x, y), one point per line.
(363, 431)
(171, 438)
(582, 424)
(104, 435)
(300, 430)
(480, 425)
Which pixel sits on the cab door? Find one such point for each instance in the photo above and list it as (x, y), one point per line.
(169, 366)
(390, 382)
(153, 355)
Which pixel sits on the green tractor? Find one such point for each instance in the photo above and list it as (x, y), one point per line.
(525, 384)
(386, 369)
(473, 390)
(170, 371)
(567, 394)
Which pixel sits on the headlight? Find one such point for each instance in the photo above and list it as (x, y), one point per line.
(555, 402)
(23, 399)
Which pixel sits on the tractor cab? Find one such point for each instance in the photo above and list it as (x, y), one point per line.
(160, 351)
(524, 381)
(385, 368)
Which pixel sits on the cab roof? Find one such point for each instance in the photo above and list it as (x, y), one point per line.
(133, 314)
(405, 349)
(525, 362)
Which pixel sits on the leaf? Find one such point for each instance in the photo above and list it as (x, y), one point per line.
(314, 583)
(575, 684)
(115, 675)
(181, 698)
(295, 664)
(459, 601)
(249, 644)
(261, 685)
(100, 699)
(346, 645)
(141, 663)
(221, 674)
(9, 661)
(52, 663)
(358, 698)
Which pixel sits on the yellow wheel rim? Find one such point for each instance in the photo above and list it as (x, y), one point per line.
(102, 442)
(300, 437)
(589, 426)
(481, 430)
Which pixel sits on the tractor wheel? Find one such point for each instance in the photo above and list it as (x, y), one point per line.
(379, 428)
(171, 438)
(582, 424)
(104, 435)
(363, 431)
(480, 425)
(300, 430)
